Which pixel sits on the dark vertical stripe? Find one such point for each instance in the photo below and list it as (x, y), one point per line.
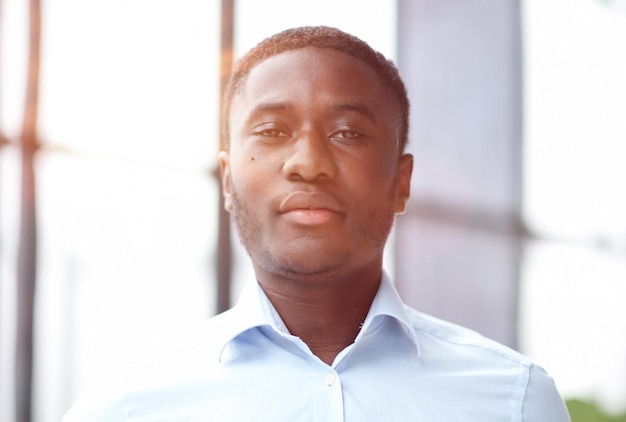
(27, 251)
(224, 251)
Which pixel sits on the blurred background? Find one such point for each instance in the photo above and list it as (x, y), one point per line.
(110, 237)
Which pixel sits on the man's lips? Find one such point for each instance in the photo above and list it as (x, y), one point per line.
(310, 208)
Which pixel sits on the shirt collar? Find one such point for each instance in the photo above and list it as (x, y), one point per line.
(387, 303)
(254, 309)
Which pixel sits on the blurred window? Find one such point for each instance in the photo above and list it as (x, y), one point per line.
(574, 275)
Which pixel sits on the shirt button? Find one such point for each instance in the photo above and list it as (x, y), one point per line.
(330, 379)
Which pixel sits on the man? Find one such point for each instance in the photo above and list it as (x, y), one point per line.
(314, 170)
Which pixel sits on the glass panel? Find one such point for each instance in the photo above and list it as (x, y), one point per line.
(259, 19)
(13, 74)
(574, 277)
(575, 126)
(574, 320)
(132, 79)
(13, 62)
(124, 260)
(9, 232)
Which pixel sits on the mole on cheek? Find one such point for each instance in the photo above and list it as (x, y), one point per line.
(251, 158)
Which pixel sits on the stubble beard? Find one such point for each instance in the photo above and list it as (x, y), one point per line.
(249, 229)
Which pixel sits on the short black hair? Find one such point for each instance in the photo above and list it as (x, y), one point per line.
(322, 37)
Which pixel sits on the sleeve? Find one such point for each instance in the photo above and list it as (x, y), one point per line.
(542, 401)
(103, 404)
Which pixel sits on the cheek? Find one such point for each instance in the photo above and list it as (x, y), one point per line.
(375, 173)
(251, 177)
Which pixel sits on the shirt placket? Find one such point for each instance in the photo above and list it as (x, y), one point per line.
(329, 398)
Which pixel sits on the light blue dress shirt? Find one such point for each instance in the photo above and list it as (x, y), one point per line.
(403, 366)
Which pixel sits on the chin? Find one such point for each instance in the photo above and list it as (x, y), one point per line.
(309, 265)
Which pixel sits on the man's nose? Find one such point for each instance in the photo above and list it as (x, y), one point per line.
(310, 158)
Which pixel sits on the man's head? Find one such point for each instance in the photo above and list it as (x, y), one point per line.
(314, 171)
(322, 37)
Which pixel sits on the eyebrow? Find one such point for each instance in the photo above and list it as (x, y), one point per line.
(357, 107)
(265, 107)
(360, 108)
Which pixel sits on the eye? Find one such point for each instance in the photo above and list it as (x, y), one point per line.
(346, 134)
(269, 132)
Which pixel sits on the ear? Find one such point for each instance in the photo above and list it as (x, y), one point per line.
(224, 158)
(403, 183)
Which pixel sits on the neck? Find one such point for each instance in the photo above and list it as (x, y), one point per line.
(325, 313)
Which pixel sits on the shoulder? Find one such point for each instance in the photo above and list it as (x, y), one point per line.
(176, 368)
(476, 360)
(439, 335)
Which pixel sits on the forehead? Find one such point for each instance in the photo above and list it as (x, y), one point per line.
(309, 73)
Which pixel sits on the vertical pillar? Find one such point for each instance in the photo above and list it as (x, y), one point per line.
(458, 246)
(27, 250)
(224, 249)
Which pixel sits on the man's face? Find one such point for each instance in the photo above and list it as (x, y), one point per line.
(313, 175)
